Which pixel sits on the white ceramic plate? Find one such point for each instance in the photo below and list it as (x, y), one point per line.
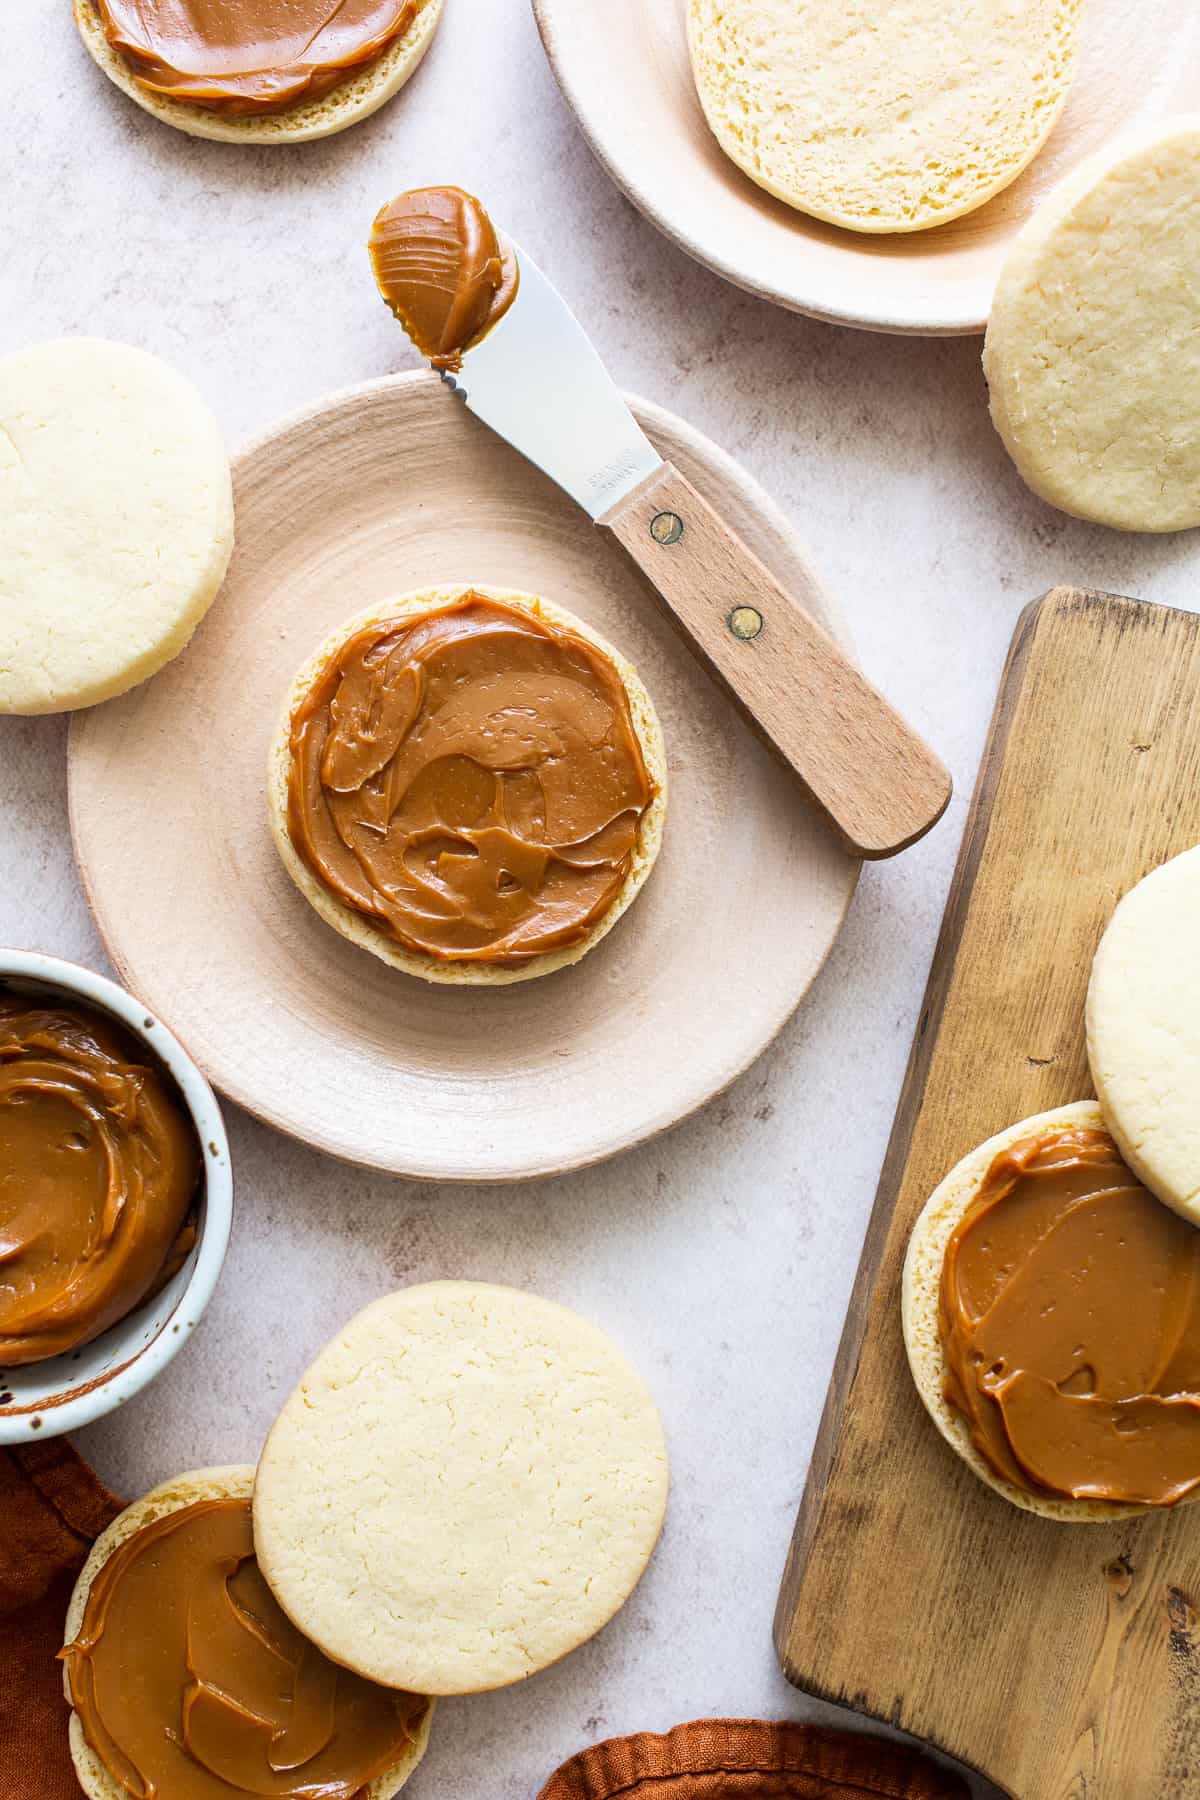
(624, 70)
(386, 488)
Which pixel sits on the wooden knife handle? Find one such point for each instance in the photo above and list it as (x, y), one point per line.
(878, 782)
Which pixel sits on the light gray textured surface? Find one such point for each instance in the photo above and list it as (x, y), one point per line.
(721, 1256)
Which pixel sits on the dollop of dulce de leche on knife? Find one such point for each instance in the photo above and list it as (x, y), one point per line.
(441, 268)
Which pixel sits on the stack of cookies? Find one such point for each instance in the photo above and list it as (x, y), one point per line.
(1051, 1295)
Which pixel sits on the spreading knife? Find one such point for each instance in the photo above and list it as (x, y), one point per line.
(533, 376)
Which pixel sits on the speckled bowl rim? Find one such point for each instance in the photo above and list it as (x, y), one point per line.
(134, 1372)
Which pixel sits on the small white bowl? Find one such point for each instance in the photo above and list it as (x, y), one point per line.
(45, 1399)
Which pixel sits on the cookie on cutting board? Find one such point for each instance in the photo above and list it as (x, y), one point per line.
(1049, 1305)
(1143, 1030)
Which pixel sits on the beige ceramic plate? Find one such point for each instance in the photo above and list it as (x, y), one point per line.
(385, 488)
(624, 69)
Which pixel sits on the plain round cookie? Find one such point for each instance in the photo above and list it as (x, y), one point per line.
(116, 521)
(1092, 353)
(352, 924)
(919, 1311)
(351, 100)
(229, 1482)
(888, 117)
(466, 1484)
(1143, 1031)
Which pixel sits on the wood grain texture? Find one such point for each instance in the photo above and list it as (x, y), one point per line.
(367, 495)
(1063, 1661)
(878, 783)
(624, 70)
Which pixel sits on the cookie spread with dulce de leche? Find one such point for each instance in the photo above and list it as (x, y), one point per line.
(99, 1165)
(190, 1683)
(470, 780)
(242, 57)
(442, 270)
(1069, 1318)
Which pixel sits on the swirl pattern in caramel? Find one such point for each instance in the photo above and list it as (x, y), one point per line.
(442, 270)
(191, 1684)
(241, 57)
(1069, 1317)
(470, 780)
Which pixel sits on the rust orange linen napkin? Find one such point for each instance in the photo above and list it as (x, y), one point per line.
(52, 1507)
(751, 1759)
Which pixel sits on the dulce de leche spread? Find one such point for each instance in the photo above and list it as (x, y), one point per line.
(191, 1684)
(470, 780)
(98, 1171)
(241, 57)
(440, 266)
(1070, 1325)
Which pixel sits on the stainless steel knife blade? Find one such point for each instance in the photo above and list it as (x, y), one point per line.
(537, 381)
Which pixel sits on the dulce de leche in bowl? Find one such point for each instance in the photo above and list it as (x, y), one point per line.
(109, 1176)
(99, 1166)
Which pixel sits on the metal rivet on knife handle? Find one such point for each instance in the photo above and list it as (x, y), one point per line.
(666, 528)
(880, 785)
(745, 622)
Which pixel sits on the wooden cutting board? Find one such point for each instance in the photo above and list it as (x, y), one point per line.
(1061, 1661)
